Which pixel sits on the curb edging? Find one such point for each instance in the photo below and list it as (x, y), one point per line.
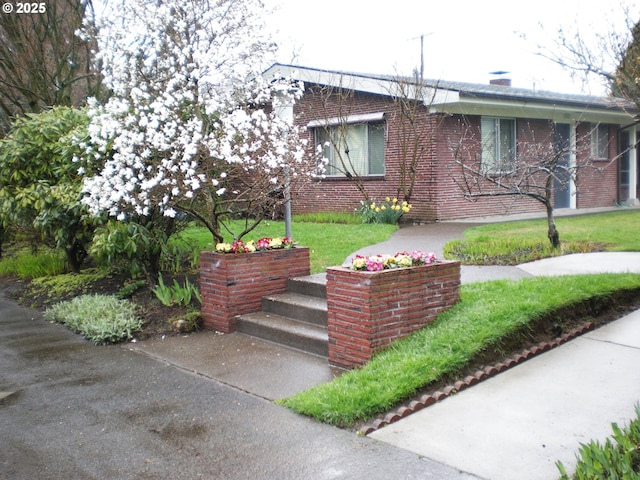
(470, 380)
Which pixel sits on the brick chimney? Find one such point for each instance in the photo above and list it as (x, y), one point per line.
(505, 82)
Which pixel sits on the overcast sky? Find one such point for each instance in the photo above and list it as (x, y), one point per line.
(464, 40)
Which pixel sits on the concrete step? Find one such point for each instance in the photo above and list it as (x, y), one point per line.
(303, 308)
(312, 285)
(285, 331)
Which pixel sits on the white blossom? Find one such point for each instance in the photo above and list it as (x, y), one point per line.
(181, 121)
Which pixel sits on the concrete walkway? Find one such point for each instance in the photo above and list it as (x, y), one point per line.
(519, 423)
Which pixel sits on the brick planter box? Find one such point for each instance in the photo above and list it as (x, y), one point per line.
(369, 310)
(234, 284)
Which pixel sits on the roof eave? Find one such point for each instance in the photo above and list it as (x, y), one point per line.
(534, 109)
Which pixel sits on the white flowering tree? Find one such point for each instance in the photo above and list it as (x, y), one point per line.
(186, 128)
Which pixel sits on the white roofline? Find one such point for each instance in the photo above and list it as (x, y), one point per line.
(447, 100)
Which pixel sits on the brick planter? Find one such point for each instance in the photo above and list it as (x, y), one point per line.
(234, 284)
(369, 310)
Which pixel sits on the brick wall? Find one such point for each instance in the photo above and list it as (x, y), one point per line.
(369, 310)
(597, 185)
(435, 195)
(234, 284)
(339, 194)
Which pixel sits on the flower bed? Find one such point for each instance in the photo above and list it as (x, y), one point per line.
(251, 246)
(375, 263)
(369, 307)
(234, 283)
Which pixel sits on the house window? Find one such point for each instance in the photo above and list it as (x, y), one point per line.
(599, 141)
(498, 143)
(352, 149)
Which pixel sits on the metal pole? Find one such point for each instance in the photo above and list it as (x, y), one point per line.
(285, 111)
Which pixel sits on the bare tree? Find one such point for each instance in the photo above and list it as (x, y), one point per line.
(336, 106)
(43, 62)
(411, 98)
(537, 168)
(410, 129)
(610, 56)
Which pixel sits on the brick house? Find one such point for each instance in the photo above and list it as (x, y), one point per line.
(399, 137)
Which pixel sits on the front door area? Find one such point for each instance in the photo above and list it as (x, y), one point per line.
(562, 184)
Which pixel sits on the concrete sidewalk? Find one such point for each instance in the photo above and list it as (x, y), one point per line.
(519, 423)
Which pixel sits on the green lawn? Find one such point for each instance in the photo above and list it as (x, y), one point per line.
(478, 322)
(511, 243)
(618, 231)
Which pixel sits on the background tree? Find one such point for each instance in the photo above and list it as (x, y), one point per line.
(412, 98)
(535, 169)
(610, 57)
(184, 128)
(626, 80)
(43, 62)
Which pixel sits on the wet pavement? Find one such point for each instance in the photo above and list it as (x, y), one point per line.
(73, 410)
(520, 422)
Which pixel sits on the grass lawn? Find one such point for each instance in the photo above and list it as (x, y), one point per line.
(477, 323)
(511, 243)
(329, 243)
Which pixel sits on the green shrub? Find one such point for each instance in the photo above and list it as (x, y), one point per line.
(187, 323)
(130, 288)
(100, 318)
(388, 212)
(484, 251)
(619, 458)
(328, 217)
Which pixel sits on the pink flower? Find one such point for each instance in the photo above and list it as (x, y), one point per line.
(263, 243)
(375, 263)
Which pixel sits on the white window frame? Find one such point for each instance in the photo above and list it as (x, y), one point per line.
(600, 141)
(493, 159)
(343, 127)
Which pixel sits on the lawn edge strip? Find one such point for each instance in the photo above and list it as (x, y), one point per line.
(470, 380)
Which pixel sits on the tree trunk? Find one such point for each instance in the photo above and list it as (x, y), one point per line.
(554, 236)
(76, 255)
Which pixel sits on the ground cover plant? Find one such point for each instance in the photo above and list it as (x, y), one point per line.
(481, 327)
(100, 318)
(511, 243)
